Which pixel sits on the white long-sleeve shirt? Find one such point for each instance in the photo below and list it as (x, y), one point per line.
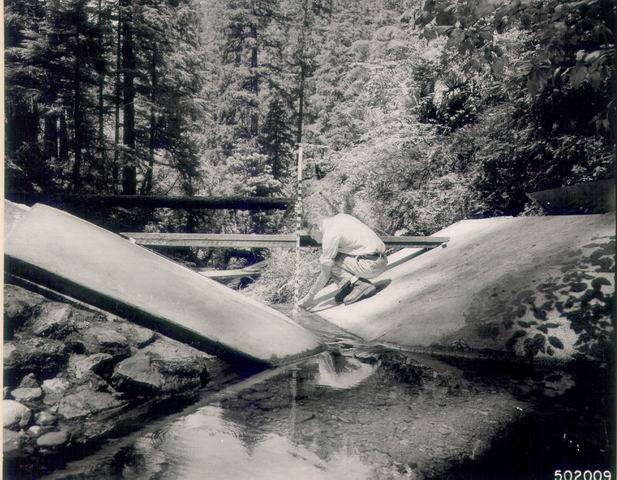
(343, 233)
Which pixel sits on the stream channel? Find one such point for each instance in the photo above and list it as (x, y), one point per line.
(368, 412)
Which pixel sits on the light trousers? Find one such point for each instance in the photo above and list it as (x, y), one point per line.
(349, 267)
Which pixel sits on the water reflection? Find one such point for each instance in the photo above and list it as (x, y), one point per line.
(338, 371)
(274, 429)
(206, 445)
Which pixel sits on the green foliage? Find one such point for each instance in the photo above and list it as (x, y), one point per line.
(432, 111)
(277, 282)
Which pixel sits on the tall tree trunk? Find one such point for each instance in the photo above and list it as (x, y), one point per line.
(63, 148)
(77, 126)
(117, 90)
(301, 102)
(50, 138)
(254, 77)
(302, 73)
(147, 185)
(102, 170)
(129, 170)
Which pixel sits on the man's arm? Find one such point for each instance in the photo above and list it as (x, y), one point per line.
(329, 245)
(318, 284)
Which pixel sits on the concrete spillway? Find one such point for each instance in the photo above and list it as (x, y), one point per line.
(536, 287)
(70, 255)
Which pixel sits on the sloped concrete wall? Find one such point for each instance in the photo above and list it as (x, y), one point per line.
(535, 286)
(65, 253)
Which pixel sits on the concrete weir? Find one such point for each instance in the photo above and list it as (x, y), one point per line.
(72, 256)
(536, 288)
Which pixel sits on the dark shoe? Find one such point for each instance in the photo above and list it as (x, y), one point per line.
(362, 289)
(343, 292)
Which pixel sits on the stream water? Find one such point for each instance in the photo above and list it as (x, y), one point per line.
(362, 414)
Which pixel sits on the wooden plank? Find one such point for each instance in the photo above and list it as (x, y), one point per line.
(209, 240)
(415, 241)
(214, 274)
(201, 240)
(250, 271)
(156, 201)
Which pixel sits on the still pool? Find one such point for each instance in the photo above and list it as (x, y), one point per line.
(362, 414)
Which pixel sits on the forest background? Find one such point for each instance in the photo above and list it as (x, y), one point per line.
(430, 111)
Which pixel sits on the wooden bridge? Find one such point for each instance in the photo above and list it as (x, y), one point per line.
(211, 240)
(226, 240)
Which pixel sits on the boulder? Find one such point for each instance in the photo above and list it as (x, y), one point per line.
(29, 381)
(27, 394)
(103, 339)
(81, 366)
(34, 431)
(7, 349)
(19, 305)
(15, 414)
(54, 389)
(11, 443)
(176, 358)
(82, 319)
(53, 320)
(43, 356)
(86, 402)
(165, 366)
(137, 375)
(138, 336)
(53, 439)
(45, 418)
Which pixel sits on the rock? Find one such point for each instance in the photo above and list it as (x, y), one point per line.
(175, 358)
(83, 319)
(45, 418)
(7, 349)
(92, 382)
(15, 414)
(53, 320)
(80, 366)
(99, 339)
(86, 402)
(27, 394)
(138, 336)
(137, 375)
(43, 356)
(53, 439)
(34, 431)
(55, 386)
(19, 305)
(11, 443)
(141, 336)
(164, 365)
(29, 381)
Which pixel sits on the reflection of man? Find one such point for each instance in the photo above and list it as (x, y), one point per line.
(351, 254)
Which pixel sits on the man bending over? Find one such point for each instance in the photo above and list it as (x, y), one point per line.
(351, 254)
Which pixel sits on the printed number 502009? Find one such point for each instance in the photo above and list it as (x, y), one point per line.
(582, 475)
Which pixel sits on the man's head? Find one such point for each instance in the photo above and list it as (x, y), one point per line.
(312, 223)
(317, 208)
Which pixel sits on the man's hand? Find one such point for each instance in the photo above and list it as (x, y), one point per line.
(320, 282)
(306, 302)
